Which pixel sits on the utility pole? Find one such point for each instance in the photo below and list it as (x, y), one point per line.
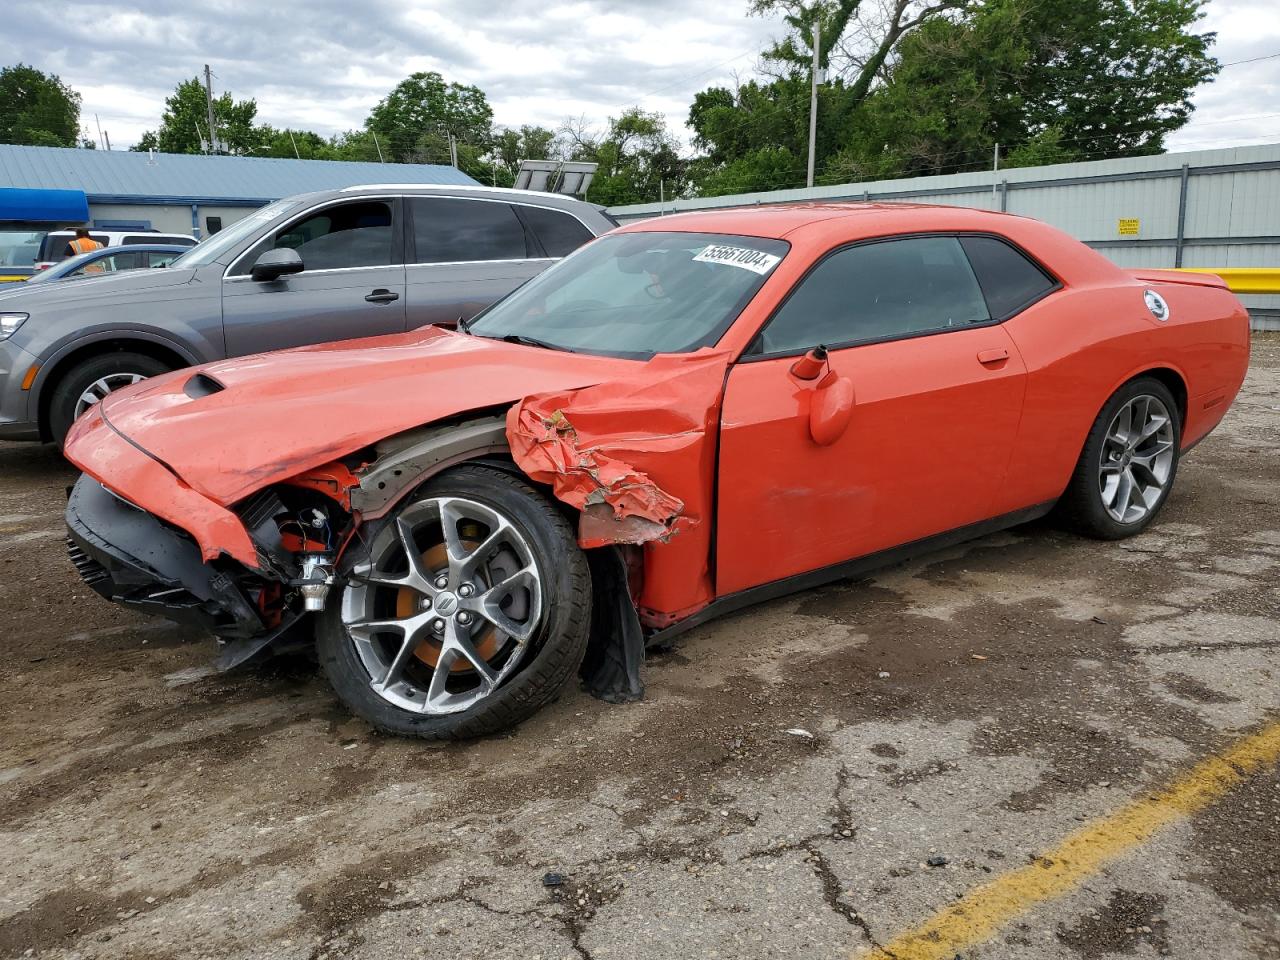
(107, 137)
(295, 146)
(453, 148)
(378, 146)
(102, 143)
(813, 100)
(208, 99)
(995, 170)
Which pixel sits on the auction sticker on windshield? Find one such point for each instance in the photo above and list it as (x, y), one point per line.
(754, 260)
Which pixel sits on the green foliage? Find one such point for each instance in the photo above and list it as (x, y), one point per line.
(639, 159)
(37, 109)
(414, 120)
(185, 122)
(1049, 80)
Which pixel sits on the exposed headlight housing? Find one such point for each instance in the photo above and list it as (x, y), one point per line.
(9, 324)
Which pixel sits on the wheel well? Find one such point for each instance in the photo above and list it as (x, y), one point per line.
(1173, 380)
(165, 355)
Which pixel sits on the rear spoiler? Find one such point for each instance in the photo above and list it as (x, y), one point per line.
(1193, 278)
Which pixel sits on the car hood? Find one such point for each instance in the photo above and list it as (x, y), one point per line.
(125, 285)
(232, 427)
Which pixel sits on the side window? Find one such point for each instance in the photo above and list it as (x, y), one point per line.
(345, 235)
(134, 239)
(560, 233)
(117, 261)
(878, 291)
(450, 229)
(158, 259)
(1009, 280)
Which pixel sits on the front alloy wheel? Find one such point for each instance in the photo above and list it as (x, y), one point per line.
(461, 613)
(445, 608)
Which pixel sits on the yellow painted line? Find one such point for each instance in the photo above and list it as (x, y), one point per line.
(982, 912)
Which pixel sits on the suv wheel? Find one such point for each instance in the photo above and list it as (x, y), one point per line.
(89, 381)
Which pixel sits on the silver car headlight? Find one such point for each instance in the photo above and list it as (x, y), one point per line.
(9, 324)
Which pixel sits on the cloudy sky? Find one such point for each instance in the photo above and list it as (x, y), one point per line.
(321, 65)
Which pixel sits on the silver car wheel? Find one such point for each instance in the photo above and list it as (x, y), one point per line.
(445, 607)
(98, 390)
(1137, 459)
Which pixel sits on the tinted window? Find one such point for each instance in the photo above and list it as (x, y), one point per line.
(1009, 280)
(117, 261)
(158, 259)
(449, 230)
(560, 233)
(345, 235)
(136, 239)
(877, 291)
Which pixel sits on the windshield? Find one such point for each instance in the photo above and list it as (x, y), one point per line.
(18, 248)
(207, 251)
(637, 294)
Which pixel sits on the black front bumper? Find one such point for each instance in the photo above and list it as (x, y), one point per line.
(133, 559)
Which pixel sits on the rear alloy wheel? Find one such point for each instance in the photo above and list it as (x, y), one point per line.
(88, 383)
(467, 611)
(1128, 464)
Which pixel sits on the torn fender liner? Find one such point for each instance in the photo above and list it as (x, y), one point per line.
(602, 447)
(611, 669)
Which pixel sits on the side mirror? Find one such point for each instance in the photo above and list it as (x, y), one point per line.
(275, 264)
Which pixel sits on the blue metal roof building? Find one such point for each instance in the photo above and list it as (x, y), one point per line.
(167, 191)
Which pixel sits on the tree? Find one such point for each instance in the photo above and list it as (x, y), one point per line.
(638, 158)
(414, 121)
(510, 146)
(185, 122)
(37, 109)
(931, 88)
(1049, 80)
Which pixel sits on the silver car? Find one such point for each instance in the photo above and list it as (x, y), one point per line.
(357, 262)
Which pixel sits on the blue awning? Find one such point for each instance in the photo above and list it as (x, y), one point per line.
(43, 206)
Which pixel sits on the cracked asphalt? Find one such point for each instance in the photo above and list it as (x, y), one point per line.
(808, 778)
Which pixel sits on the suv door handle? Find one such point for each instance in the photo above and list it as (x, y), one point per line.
(996, 355)
(382, 296)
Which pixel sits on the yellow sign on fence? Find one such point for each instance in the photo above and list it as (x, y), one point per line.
(1128, 226)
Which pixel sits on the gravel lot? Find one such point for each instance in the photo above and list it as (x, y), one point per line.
(970, 709)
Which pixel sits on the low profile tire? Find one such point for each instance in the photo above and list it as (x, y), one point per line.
(461, 613)
(88, 382)
(1128, 463)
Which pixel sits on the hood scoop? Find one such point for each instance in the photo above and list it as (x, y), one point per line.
(202, 385)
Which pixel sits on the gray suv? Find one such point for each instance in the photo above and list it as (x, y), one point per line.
(357, 262)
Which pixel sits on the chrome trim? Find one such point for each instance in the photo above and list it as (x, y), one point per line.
(462, 263)
(320, 272)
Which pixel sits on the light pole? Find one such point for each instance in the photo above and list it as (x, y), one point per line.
(813, 101)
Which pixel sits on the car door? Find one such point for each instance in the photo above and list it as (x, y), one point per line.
(465, 253)
(904, 431)
(352, 283)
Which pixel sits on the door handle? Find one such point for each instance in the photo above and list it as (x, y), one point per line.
(382, 296)
(996, 355)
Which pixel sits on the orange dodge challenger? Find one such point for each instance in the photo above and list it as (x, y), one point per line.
(686, 416)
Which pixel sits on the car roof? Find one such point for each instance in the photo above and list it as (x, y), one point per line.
(536, 197)
(778, 221)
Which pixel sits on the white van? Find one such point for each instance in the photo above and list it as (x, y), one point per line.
(54, 247)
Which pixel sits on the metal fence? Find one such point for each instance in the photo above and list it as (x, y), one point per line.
(1208, 208)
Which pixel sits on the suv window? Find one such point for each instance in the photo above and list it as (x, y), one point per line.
(452, 230)
(55, 245)
(878, 291)
(153, 238)
(560, 233)
(1010, 281)
(344, 235)
(117, 261)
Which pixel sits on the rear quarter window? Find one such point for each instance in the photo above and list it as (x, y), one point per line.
(560, 233)
(1010, 280)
